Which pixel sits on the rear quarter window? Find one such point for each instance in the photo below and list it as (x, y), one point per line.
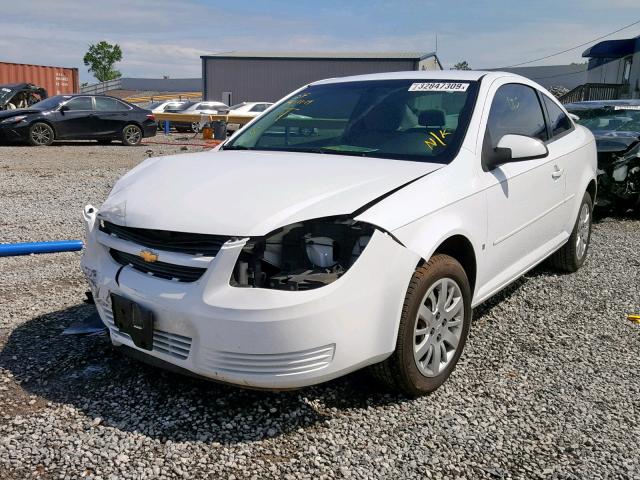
(559, 122)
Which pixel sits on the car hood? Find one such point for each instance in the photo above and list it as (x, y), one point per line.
(241, 193)
(615, 141)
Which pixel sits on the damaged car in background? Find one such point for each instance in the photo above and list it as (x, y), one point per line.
(20, 95)
(354, 224)
(616, 127)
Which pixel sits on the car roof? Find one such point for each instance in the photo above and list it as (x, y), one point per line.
(438, 75)
(602, 103)
(73, 95)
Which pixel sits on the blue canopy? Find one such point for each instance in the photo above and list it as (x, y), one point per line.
(613, 48)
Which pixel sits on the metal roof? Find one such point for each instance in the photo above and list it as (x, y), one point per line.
(324, 55)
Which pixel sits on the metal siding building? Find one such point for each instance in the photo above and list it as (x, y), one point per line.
(251, 76)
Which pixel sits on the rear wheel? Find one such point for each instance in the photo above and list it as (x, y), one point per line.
(131, 135)
(433, 330)
(573, 254)
(41, 134)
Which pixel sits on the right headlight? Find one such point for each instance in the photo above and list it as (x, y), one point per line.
(302, 256)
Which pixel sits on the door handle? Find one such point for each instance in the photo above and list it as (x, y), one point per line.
(557, 172)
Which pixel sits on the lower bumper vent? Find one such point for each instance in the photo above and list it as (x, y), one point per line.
(280, 364)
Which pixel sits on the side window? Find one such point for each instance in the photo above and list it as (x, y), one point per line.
(515, 110)
(559, 121)
(80, 103)
(261, 107)
(105, 104)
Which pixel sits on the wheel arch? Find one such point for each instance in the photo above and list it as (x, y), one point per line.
(133, 122)
(47, 122)
(592, 190)
(459, 247)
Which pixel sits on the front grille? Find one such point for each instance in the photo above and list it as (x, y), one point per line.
(168, 271)
(191, 243)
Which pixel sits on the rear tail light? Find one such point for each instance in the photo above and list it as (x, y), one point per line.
(151, 116)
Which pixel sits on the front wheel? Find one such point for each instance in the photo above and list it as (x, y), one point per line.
(132, 135)
(433, 329)
(41, 134)
(573, 254)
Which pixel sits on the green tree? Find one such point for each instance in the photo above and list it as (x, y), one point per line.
(461, 66)
(100, 58)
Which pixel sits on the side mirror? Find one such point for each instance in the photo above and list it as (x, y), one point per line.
(516, 148)
(574, 117)
(64, 108)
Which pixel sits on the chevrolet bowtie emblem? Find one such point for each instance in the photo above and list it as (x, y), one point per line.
(148, 256)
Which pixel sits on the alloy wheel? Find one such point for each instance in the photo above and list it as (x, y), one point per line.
(41, 134)
(584, 229)
(132, 135)
(438, 327)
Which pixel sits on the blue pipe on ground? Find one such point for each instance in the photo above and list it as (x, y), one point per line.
(14, 249)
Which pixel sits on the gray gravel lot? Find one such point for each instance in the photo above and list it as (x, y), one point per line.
(548, 386)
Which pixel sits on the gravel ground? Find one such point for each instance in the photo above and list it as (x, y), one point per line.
(547, 388)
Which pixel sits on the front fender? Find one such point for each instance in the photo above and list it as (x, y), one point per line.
(466, 218)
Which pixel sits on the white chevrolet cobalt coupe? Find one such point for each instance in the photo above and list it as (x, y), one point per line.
(355, 223)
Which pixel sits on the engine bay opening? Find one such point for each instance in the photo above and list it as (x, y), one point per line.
(302, 256)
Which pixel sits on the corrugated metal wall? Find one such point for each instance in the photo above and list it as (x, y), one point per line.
(269, 79)
(56, 80)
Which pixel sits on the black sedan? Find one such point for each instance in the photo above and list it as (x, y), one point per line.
(77, 117)
(616, 127)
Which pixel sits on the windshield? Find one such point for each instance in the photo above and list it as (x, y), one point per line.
(49, 103)
(210, 106)
(417, 120)
(609, 118)
(5, 94)
(180, 107)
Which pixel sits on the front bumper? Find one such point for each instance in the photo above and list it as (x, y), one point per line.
(14, 132)
(257, 337)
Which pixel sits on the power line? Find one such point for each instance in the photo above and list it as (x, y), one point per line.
(584, 70)
(572, 48)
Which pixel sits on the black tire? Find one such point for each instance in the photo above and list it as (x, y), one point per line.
(571, 256)
(41, 134)
(400, 371)
(132, 135)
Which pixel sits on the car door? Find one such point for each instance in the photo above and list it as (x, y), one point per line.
(111, 117)
(75, 118)
(562, 146)
(525, 199)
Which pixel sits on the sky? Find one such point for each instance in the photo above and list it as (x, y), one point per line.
(163, 37)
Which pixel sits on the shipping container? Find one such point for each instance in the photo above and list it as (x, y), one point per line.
(55, 80)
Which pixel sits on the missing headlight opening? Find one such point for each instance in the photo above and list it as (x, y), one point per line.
(302, 256)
